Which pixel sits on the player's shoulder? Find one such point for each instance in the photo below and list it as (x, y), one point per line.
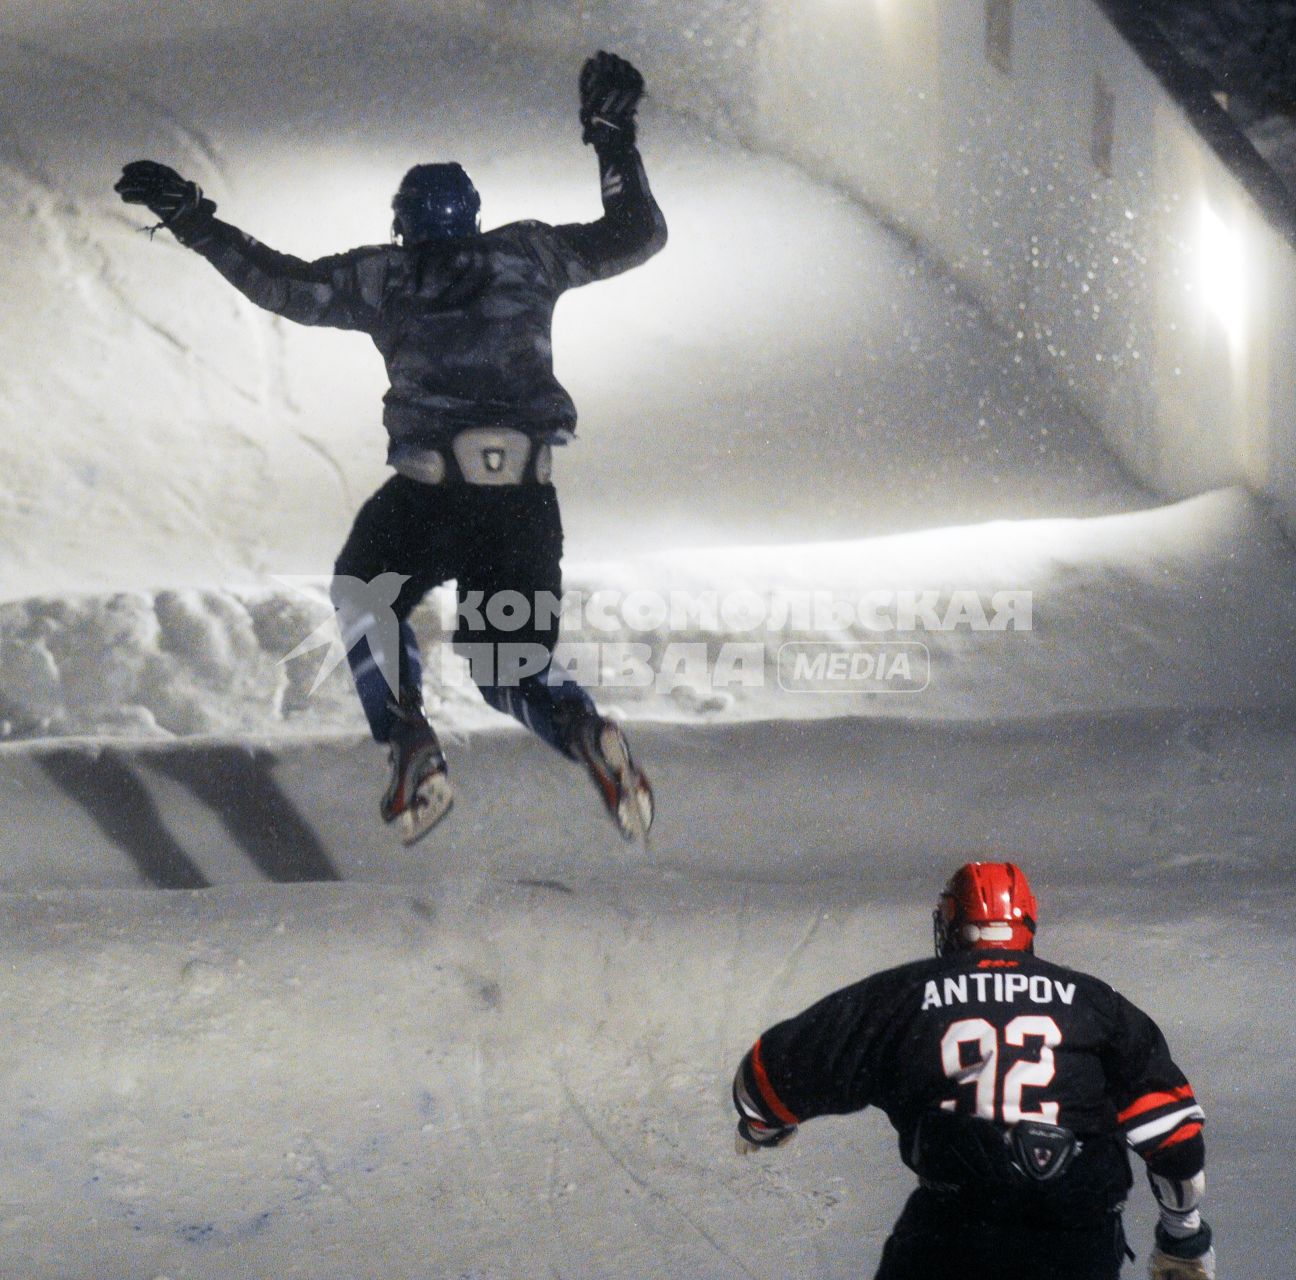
(374, 267)
(529, 229)
(900, 978)
(1066, 972)
(1094, 989)
(897, 992)
(536, 242)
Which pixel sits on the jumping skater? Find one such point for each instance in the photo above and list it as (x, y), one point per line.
(462, 318)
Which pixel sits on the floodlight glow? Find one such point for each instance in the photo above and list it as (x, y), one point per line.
(889, 13)
(1221, 273)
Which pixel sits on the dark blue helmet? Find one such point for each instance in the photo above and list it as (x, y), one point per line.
(435, 201)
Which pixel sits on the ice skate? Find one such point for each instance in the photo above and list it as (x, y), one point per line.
(419, 794)
(626, 792)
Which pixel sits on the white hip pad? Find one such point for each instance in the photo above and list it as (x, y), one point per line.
(492, 455)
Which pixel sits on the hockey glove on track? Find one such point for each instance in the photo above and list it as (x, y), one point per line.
(163, 191)
(610, 89)
(753, 1136)
(1190, 1258)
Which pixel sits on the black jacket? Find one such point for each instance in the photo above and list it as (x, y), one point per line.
(1001, 1035)
(463, 324)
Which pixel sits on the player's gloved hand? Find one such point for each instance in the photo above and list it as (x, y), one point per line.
(754, 1136)
(163, 191)
(1187, 1258)
(610, 89)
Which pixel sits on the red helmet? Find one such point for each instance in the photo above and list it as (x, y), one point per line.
(985, 905)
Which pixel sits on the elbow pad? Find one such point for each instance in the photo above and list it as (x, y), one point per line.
(1179, 1200)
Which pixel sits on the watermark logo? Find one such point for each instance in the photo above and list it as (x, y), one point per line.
(830, 666)
(362, 611)
(805, 641)
(745, 611)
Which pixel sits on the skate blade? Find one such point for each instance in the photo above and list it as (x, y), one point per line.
(431, 803)
(634, 813)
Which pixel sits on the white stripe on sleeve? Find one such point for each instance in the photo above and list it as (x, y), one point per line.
(1164, 1124)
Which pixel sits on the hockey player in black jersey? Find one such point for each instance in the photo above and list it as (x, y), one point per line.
(1016, 1087)
(462, 319)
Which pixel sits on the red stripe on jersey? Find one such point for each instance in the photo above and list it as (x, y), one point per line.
(768, 1096)
(1151, 1101)
(1181, 1134)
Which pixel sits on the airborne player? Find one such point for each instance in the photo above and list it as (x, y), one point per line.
(462, 318)
(1016, 1087)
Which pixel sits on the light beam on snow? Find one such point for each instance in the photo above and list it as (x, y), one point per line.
(889, 10)
(1007, 552)
(1221, 276)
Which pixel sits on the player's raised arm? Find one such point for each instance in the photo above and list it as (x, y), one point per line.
(632, 227)
(340, 292)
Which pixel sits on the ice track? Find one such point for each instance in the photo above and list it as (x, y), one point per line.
(249, 1034)
(506, 1052)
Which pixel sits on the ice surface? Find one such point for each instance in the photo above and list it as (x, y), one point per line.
(506, 1052)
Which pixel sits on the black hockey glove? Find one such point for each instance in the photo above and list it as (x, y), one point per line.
(610, 89)
(163, 191)
(754, 1136)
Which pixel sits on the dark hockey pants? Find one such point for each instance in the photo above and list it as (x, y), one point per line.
(936, 1238)
(494, 542)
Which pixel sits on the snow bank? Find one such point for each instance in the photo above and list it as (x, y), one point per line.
(1192, 605)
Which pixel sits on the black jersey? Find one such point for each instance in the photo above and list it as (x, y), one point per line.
(1003, 1036)
(463, 324)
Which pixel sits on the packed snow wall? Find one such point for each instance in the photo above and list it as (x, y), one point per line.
(156, 430)
(1142, 254)
(1146, 259)
(1139, 253)
(795, 367)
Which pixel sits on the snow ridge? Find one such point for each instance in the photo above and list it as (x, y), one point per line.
(1007, 620)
